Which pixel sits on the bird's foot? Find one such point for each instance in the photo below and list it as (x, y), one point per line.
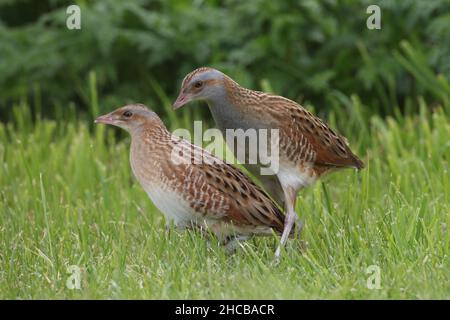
(233, 242)
(303, 245)
(167, 231)
(298, 227)
(276, 257)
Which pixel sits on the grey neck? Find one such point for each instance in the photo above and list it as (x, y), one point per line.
(229, 116)
(219, 111)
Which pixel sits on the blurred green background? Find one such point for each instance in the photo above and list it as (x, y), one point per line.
(316, 52)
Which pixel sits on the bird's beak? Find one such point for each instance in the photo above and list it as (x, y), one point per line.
(106, 119)
(181, 100)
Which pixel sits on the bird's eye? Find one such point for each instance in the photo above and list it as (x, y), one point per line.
(198, 84)
(127, 114)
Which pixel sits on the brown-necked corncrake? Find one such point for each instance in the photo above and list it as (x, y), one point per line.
(191, 186)
(308, 148)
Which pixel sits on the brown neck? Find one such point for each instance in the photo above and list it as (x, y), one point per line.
(149, 136)
(152, 128)
(150, 148)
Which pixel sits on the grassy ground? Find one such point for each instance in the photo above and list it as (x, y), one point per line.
(68, 198)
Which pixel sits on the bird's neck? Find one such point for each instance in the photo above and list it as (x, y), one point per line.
(149, 150)
(221, 112)
(148, 136)
(226, 110)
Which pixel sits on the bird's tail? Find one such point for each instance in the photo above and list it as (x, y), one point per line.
(358, 162)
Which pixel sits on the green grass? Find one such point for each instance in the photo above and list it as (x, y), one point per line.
(67, 197)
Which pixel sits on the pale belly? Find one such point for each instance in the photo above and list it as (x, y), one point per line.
(296, 177)
(176, 209)
(171, 204)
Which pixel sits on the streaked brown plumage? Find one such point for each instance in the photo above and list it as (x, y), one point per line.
(191, 186)
(308, 148)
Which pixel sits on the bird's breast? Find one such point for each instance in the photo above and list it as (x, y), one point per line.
(170, 203)
(153, 171)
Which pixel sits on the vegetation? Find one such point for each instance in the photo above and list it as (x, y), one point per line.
(68, 198)
(67, 195)
(310, 51)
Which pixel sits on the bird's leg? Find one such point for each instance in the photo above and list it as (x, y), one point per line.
(233, 242)
(273, 188)
(167, 228)
(298, 225)
(291, 217)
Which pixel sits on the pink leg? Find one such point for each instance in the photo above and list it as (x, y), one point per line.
(291, 217)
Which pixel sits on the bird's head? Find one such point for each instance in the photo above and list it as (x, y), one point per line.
(130, 117)
(201, 84)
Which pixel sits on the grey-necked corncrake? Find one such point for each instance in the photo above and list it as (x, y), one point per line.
(308, 147)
